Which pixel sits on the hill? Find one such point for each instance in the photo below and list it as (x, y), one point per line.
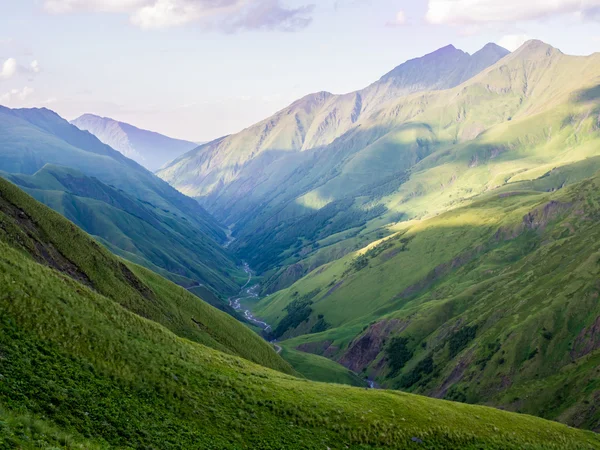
(410, 248)
(151, 150)
(133, 212)
(484, 304)
(97, 353)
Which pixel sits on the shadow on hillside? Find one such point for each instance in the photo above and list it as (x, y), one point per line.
(588, 95)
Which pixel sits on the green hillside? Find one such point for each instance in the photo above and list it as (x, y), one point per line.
(30, 228)
(413, 156)
(408, 247)
(484, 304)
(131, 211)
(98, 354)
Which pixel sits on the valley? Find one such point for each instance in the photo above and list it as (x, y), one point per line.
(430, 239)
(413, 264)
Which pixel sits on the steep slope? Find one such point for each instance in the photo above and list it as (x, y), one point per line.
(219, 172)
(76, 358)
(415, 156)
(485, 304)
(49, 239)
(151, 150)
(135, 213)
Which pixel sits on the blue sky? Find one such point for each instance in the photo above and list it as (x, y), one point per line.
(198, 69)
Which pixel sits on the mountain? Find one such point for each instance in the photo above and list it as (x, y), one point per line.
(219, 172)
(130, 210)
(98, 353)
(483, 304)
(444, 244)
(151, 150)
(270, 174)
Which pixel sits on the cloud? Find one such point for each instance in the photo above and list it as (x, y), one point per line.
(15, 97)
(465, 12)
(513, 41)
(35, 66)
(9, 69)
(398, 21)
(225, 15)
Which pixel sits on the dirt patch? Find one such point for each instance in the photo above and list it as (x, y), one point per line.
(38, 244)
(587, 341)
(364, 349)
(537, 219)
(455, 376)
(333, 289)
(135, 282)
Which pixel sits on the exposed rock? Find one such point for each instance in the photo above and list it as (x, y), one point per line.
(364, 349)
(587, 341)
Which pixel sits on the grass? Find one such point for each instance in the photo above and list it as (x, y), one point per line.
(54, 241)
(133, 212)
(319, 368)
(80, 369)
(503, 289)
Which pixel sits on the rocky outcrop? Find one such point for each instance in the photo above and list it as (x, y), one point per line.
(364, 349)
(587, 341)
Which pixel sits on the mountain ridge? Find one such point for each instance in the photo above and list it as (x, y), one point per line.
(148, 148)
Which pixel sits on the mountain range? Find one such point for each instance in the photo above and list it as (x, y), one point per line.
(130, 210)
(151, 150)
(415, 239)
(414, 264)
(98, 353)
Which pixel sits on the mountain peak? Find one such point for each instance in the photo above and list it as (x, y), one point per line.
(492, 47)
(537, 47)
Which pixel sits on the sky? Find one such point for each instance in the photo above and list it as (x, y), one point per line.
(200, 69)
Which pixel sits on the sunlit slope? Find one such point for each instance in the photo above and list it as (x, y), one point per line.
(221, 172)
(77, 367)
(135, 213)
(486, 303)
(413, 156)
(32, 229)
(534, 111)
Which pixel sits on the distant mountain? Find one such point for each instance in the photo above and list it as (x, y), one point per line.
(129, 209)
(212, 171)
(151, 150)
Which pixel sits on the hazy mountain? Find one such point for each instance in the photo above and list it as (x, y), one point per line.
(312, 122)
(152, 150)
(129, 209)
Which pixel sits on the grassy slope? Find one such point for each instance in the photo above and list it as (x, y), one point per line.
(131, 228)
(517, 269)
(76, 361)
(319, 368)
(133, 211)
(534, 111)
(55, 241)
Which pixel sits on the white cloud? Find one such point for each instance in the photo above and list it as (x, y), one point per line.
(9, 69)
(464, 12)
(228, 15)
(513, 41)
(35, 66)
(16, 97)
(399, 20)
